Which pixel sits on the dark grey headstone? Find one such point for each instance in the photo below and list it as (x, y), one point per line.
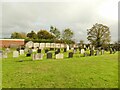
(49, 55)
(39, 51)
(65, 49)
(70, 55)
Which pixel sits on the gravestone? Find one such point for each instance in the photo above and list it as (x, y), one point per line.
(91, 52)
(21, 52)
(70, 55)
(59, 56)
(46, 50)
(5, 55)
(49, 55)
(15, 54)
(62, 46)
(58, 50)
(39, 51)
(85, 54)
(82, 51)
(65, 49)
(111, 50)
(28, 55)
(29, 44)
(97, 52)
(8, 50)
(102, 52)
(37, 56)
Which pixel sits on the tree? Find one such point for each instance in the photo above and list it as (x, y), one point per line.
(32, 35)
(55, 31)
(67, 34)
(17, 35)
(44, 34)
(99, 35)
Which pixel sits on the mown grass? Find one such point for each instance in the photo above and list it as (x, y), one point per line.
(78, 72)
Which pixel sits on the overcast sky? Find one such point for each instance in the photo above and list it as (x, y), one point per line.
(78, 15)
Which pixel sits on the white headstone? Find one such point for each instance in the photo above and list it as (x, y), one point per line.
(59, 56)
(67, 47)
(15, 54)
(82, 51)
(21, 52)
(1, 53)
(29, 44)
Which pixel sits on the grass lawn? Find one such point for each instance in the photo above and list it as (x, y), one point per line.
(78, 72)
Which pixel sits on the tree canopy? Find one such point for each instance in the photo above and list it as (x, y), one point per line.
(99, 35)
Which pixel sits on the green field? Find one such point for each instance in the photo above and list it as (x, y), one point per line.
(78, 72)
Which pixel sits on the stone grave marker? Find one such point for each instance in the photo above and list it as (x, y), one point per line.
(21, 52)
(29, 44)
(97, 52)
(49, 55)
(39, 51)
(15, 54)
(46, 50)
(65, 49)
(91, 52)
(59, 56)
(82, 51)
(102, 52)
(70, 55)
(5, 55)
(37, 56)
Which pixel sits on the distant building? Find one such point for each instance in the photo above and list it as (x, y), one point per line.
(11, 42)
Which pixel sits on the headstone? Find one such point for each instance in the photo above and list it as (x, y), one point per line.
(5, 55)
(67, 47)
(102, 52)
(59, 56)
(39, 51)
(29, 44)
(85, 54)
(49, 55)
(82, 51)
(15, 54)
(91, 52)
(8, 50)
(21, 52)
(97, 52)
(37, 56)
(70, 55)
(28, 55)
(46, 50)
